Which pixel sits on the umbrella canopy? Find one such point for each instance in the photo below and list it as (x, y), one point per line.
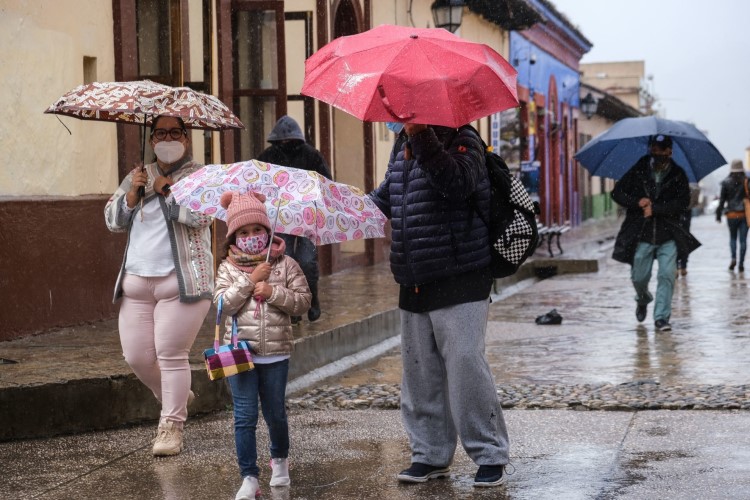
(612, 153)
(140, 101)
(307, 203)
(411, 75)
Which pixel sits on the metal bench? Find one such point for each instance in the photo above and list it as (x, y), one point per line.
(550, 233)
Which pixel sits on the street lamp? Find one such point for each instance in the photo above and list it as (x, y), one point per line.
(588, 106)
(531, 56)
(447, 14)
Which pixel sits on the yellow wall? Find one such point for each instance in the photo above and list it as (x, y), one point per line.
(622, 79)
(43, 45)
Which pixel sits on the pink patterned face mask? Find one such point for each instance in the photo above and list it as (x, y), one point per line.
(252, 245)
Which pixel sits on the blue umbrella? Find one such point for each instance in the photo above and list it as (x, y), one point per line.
(613, 152)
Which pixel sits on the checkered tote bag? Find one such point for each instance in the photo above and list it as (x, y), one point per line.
(231, 359)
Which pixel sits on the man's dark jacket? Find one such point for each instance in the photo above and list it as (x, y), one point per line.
(667, 204)
(437, 237)
(732, 194)
(297, 155)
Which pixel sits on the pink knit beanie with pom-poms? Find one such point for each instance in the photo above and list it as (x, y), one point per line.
(244, 209)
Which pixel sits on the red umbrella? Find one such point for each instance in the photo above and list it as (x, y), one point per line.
(395, 73)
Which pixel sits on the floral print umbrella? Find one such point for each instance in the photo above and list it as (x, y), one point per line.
(140, 101)
(302, 203)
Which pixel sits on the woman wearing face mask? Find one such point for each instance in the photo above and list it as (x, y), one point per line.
(166, 278)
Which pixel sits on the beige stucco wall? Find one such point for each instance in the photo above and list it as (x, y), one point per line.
(622, 79)
(43, 45)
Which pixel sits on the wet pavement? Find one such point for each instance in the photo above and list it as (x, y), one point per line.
(556, 452)
(600, 341)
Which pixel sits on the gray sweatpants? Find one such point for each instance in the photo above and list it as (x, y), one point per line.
(447, 389)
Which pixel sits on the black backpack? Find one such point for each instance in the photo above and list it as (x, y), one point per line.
(512, 225)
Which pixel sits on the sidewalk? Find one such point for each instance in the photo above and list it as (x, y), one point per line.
(75, 379)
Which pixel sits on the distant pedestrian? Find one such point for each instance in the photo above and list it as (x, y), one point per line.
(655, 193)
(288, 148)
(262, 295)
(440, 256)
(733, 190)
(686, 218)
(166, 279)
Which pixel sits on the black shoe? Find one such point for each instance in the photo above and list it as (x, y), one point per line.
(489, 475)
(314, 313)
(640, 312)
(741, 268)
(732, 264)
(551, 318)
(662, 325)
(420, 473)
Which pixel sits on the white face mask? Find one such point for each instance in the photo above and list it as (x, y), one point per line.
(169, 151)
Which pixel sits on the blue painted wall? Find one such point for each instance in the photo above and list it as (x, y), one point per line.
(536, 77)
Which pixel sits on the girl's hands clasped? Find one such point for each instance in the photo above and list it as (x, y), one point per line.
(263, 289)
(261, 272)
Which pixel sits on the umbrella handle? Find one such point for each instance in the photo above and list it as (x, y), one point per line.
(142, 189)
(273, 232)
(387, 105)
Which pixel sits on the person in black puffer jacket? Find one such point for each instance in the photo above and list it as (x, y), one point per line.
(288, 148)
(440, 255)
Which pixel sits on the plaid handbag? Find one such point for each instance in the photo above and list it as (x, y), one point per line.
(231, 359)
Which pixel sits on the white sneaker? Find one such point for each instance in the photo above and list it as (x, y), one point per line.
(280, 475)
(249, 489)
(168, 440)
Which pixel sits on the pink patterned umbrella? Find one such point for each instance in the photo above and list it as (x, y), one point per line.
(307, 203)
(138, 102)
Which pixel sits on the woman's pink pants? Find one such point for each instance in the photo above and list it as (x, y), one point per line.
(156, 333)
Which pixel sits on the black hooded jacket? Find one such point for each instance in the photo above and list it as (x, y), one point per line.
(732, 193)
(668, 202)
(296, 154)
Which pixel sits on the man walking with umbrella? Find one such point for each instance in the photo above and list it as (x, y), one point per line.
(654, 192)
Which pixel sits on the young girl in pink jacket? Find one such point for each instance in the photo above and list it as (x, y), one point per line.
(263, 293)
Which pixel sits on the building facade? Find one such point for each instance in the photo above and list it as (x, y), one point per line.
(59, 262)
(547, 56)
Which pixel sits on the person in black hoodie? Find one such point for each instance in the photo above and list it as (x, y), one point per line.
(288, 148)
(733, 208)
(655, 192)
